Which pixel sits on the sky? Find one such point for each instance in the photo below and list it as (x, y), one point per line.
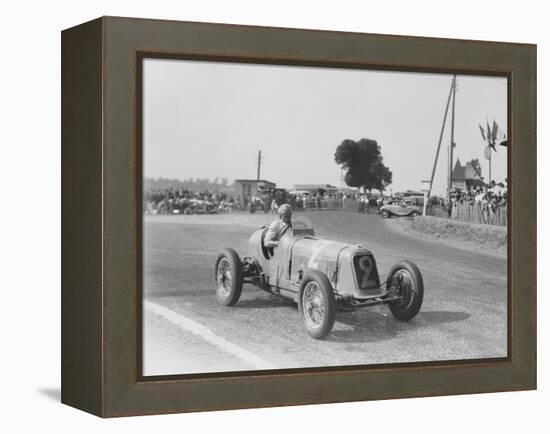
(210, 119)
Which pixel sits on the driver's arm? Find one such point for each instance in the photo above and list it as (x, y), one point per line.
(272, 235)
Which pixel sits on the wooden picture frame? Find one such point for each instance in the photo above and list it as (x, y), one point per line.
(101, 216)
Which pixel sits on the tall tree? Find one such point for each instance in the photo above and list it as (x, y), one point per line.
(363, 162)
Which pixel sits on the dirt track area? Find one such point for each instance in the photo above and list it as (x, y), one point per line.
(187, 331)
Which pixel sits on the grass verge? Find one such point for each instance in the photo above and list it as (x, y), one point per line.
(487, 238)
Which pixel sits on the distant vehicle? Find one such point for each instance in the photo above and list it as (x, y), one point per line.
(320, 275)
(261, 201)
(305, 193)
(280, 195)
(416, 200)
(198, 206)
(258, 204)
(400, 209)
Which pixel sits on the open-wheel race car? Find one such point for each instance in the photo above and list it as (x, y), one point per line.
(320, 275)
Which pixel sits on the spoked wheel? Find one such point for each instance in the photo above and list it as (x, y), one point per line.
(317, 304)
(385, 213)
(229, 277)
(405, 280)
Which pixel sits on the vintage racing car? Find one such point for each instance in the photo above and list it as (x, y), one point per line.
(320, 275)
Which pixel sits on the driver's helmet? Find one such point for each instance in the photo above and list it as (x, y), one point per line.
(285, 209)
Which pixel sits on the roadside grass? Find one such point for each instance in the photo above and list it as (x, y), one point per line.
(487, 238)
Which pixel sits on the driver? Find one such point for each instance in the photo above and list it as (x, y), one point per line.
(278, 227)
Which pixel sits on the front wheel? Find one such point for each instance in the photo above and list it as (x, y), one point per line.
(317, 304)
(415, 214)
(385, 213)
(405, 279)
(229, 277)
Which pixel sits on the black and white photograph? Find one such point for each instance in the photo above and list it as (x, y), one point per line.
(281, 217)
(302, 217)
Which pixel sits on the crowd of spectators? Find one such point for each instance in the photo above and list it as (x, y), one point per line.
(480, 206)
(182, 201)
(488, 203)
(305, 201)
(494, 197)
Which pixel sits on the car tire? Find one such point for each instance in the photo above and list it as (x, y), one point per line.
(228, 275)
(411, 286)
(384, 213)
(414, 214)
(315, 289)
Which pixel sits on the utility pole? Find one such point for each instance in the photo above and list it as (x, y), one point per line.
(259, 165)
(452, 144)
(426, 196)
(490, 157)
(440, 138)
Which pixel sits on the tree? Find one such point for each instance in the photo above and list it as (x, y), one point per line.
(474, 162)
(363, 163)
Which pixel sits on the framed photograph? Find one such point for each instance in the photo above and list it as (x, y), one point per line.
(258, 216)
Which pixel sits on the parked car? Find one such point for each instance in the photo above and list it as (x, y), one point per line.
(320, 275)
(258, 204)
(400, 209)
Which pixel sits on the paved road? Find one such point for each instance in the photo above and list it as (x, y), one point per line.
(187, 331)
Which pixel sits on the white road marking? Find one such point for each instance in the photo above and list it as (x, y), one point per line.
(194, 327)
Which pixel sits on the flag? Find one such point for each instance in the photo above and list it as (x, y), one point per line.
(495, 131)
(482, 132)
(490, 140)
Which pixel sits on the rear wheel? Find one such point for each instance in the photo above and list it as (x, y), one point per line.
(229, 277)
(385, 213)
(405, 279)
(414, 214)
(317, 304)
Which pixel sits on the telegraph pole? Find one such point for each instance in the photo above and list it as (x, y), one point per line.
(440, 138)
(452, 144)
(259, 165)
(490, 157)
